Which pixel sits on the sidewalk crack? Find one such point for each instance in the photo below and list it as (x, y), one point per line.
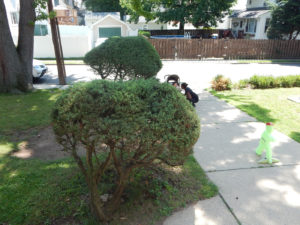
(230, 210)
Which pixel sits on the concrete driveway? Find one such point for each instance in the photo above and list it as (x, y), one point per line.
(198, 74)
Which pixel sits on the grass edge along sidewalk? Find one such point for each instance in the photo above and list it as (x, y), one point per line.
(268, 105)
(27, 196)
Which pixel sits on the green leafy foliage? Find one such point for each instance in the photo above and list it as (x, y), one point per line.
(221, 83)
(130, 124)
(104, 6)
(136, 8)
(122, 58)
(285, 20)
(40, 7)
(241, 84)
(144, 33)
(262, 82)
(198, 12)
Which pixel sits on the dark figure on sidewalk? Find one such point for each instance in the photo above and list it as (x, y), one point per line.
(190, 95)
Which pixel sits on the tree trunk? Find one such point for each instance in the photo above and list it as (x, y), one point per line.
(116, 200)
(12, 74)
(181, 26)
(122, 14)
(25, 42)
(96, 201)
(291, 36)
(57, 47)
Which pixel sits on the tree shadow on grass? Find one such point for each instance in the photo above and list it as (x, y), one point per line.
(257, 112)
(245, 104)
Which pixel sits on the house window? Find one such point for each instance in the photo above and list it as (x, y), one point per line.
(56, 2)
(250, 2)
(14, 17)
(109, 32)
(67, 13)
(40, 30)
(251, 26)
(241, 24)
(267, 24)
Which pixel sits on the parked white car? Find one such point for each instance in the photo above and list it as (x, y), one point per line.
(38, 69)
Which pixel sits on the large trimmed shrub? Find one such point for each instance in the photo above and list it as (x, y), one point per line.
(123, 126)
(120, 58)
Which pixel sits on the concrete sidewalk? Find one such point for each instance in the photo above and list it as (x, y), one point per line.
(249, 193)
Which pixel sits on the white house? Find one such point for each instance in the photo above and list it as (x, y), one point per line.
(110, 26)
(252, 22)
(76, 40)
(12, 11)
(142, 24)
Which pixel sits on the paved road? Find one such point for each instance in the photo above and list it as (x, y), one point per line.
(197, 74)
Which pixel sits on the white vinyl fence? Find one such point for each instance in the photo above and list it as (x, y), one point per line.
(73, 46)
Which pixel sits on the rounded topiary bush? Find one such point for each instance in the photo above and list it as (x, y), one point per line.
(125, 126)
(122, 58)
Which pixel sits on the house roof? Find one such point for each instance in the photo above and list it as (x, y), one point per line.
(249, 13)
(100, 15)
(114, 18)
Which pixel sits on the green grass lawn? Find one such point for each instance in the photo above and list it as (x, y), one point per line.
(268, 105)
(24, 111)
(33, 191)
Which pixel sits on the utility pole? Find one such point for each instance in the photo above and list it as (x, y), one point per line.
(57, 46)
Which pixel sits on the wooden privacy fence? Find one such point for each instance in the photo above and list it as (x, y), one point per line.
(226, 49)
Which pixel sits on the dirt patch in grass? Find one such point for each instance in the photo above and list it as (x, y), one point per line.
(37, 143)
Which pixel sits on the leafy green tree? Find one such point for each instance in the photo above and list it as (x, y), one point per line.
(123, 126)
(105, 6)
(198, 12)
(285, 22)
